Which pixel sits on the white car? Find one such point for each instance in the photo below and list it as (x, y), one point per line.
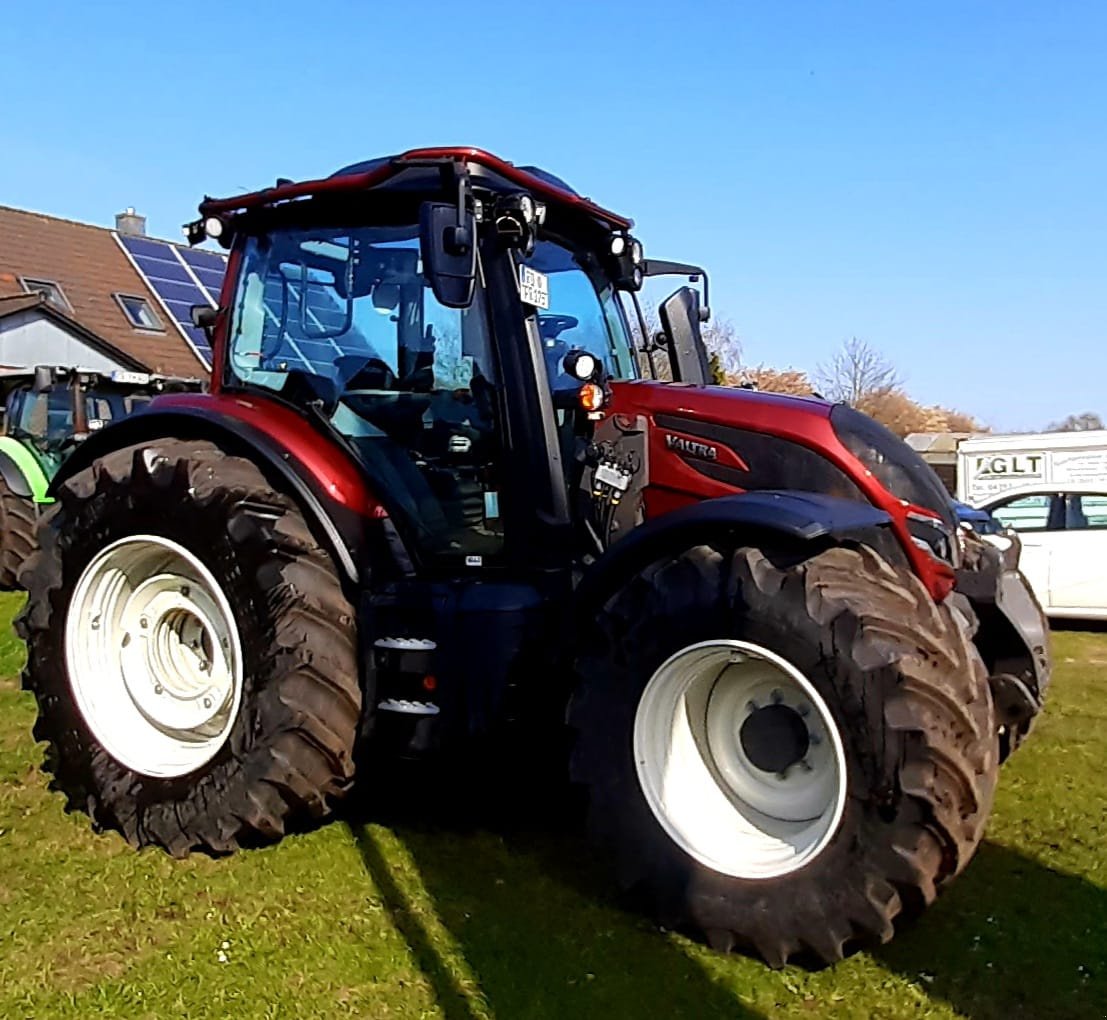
(1063, 532)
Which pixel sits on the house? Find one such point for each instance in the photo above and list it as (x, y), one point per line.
(939, 450)
(97, 298)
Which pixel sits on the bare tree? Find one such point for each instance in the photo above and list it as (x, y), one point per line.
(856, 371)
(720, 337)
(1078, 423)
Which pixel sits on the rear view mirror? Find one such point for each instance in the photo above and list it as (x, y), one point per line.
(203, 316)
(448, 244)
(680, 319)
(43, 380)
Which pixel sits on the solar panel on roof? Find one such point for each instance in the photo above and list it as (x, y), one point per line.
(181, 278)
(209, 268)
(315, 330)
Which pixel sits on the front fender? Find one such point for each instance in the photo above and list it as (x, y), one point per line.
(21, 471)
(764, 515)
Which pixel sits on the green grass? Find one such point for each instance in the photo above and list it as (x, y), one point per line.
(407, 921)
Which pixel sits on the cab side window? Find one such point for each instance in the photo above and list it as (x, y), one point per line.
(1028, 513)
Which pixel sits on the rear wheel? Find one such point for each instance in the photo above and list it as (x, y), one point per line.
(191, 650)
(17, 535)
(784, 756)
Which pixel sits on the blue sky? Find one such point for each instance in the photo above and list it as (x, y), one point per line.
(931, 177)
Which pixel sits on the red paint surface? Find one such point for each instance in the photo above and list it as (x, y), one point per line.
(330, 465)
(674, 481)
(371, 178)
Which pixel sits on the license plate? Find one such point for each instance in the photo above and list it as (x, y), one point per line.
(534, 287)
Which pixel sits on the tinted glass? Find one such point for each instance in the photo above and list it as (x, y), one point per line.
(1027, 513)
(584, 313)
(347, 311)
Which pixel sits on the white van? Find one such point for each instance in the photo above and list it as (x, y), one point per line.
(988, 466)
(1063, 532)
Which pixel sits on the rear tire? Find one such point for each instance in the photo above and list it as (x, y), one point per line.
(112, 614)
(17, 535)
(906, 694)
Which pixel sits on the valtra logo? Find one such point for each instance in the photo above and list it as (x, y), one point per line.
(704, 451)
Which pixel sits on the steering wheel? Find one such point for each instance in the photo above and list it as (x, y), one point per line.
(551, 326)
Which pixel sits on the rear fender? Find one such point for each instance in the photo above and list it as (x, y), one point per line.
(21, 471)
(336, 503)
(761, 517)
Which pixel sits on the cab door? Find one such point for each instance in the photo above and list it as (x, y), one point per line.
(1038, 520)
(1078, 558)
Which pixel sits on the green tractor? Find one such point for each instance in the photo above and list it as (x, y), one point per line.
(47, 412)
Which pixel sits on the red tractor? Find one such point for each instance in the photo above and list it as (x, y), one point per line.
(436, 495)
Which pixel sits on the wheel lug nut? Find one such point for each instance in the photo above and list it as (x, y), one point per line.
(814, 739)
(207, 702)
(736, 657)
(803, 711)
(186, 590)
(143, 622)
(158, 689)
(776, 697)
(95, 622)
(752, 706)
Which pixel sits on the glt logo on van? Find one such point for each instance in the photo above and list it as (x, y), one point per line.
(1010, 465)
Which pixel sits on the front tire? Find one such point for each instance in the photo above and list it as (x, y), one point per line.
(861, 785)
(191, 651)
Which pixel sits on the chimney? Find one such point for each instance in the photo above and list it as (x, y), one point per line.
(129, 222)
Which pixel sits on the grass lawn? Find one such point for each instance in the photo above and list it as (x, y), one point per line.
(402, 920)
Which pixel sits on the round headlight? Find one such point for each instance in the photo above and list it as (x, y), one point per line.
(618, 244)
(636, 252)
(213, 226)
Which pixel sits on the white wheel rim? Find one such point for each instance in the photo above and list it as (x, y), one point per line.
(153, 656)
(712, 725)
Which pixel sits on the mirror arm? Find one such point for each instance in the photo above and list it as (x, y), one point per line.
(695, 274)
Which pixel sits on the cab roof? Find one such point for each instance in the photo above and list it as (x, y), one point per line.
(415, 170)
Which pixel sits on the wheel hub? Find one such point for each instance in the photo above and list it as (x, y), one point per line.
(169, 658)
(774, 738)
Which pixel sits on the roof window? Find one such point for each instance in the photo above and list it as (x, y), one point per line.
(49, 289)
(139, 312)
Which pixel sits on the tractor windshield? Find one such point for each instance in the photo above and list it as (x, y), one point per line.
(584, 313)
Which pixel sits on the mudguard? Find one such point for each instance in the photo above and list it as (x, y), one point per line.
(793, 516)
(21, 471)
(1013, 634)
(342, 530)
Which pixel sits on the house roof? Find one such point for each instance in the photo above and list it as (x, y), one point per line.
(90, 267)
(12, 303)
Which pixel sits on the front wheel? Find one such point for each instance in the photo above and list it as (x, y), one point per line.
(783, 754)
(191, 651)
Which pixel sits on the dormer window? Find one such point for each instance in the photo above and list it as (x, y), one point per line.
(139, 312)
(50, 290)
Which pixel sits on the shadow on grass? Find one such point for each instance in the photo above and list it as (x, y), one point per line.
(532, 918)
(1012, 938)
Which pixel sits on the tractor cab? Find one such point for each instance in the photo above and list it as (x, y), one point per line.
(455, 322)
